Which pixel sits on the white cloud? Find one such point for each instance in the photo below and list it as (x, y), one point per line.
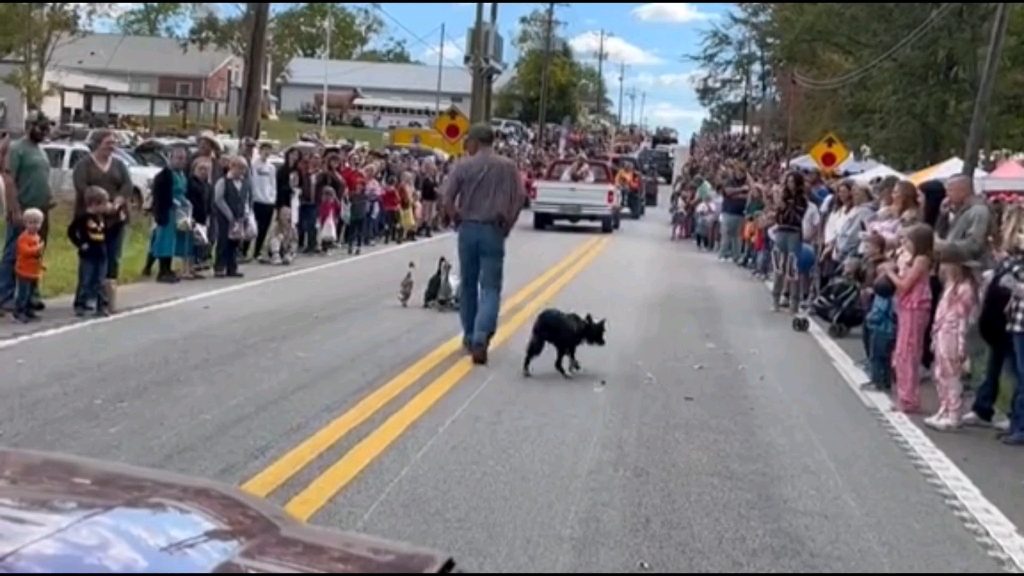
(666, 113)
(668, 80)
(452, 51)
(680, 13)
(616, 49)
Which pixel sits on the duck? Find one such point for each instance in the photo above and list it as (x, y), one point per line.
(405, 288)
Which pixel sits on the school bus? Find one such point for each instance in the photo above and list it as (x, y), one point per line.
(426, 137)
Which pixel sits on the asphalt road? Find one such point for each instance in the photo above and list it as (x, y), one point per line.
(707, 435)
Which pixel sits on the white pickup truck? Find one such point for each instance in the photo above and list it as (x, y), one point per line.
(574, 193)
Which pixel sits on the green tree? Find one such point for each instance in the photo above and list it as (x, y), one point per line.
(912, 108)
(734, 65)
(155, 19)
(569, 82)
(393, 50)
(299, 31)
(30, 32)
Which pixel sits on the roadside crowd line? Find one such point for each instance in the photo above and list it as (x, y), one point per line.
(335, 478)
(306, 452)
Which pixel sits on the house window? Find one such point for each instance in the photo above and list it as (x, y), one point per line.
(140, 87)
(456, 99)
(183, 89)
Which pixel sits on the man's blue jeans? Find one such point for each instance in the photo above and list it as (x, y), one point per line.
(732, 246)
(481, 262)
(985, 398)
(7, 280)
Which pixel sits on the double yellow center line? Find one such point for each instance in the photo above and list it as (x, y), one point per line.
(319, 492)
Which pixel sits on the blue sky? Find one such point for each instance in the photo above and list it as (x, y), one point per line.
(650, 39)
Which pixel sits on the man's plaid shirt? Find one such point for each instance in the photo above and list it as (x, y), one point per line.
(1015, 310)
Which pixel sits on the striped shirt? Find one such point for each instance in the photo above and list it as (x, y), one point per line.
(485, 188)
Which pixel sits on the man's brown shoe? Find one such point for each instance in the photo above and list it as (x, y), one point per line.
(479, 354)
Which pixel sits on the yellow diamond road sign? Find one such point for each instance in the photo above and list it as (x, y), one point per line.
(829, 153)
(452, 124)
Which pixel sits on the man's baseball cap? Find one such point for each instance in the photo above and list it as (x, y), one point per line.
(482, 133)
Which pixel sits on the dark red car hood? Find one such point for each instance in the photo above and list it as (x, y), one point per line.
(67, 514)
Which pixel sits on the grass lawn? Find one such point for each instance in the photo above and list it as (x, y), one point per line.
(61, 258)
(286, 129)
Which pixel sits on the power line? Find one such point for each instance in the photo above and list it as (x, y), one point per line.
(415, 37)
(863, 71)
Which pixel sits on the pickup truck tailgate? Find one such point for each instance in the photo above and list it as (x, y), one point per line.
(572, 193)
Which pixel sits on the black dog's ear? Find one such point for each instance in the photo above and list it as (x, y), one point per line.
(603, 323)
(590, 319)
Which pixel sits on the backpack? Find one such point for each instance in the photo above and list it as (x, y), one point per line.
(992, 319)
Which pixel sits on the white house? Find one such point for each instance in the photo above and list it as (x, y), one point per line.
(304, 78)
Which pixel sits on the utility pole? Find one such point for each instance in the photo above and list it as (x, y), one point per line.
(440, 70)
(488, 78)
(327, 61)
(600, 74)
(631, 94)
(988, 78)
(622, 76)
(549, 33)
(476, 110)
(252, 98)
(643, 100)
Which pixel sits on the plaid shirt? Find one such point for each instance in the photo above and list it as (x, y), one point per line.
(1015, 310)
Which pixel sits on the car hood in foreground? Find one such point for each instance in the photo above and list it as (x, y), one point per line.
(67, 514)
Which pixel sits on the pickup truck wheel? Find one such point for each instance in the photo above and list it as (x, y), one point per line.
(539, 221)
(616, 222)
(607, 225)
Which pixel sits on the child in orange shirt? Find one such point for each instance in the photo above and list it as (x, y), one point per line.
(28, 265)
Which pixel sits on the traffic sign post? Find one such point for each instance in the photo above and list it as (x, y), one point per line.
(829, 153)
(452, 125)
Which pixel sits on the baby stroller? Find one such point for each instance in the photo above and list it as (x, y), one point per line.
(839, 305)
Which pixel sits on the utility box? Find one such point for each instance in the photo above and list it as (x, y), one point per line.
(494, 48)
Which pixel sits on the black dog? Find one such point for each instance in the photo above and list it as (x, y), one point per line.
(565, 332)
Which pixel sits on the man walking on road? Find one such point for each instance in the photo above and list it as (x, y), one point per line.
(483, 195)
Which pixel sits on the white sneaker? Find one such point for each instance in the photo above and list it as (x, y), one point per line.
(972, 419)
(947, 424)
(933, 420)
(1001, 423)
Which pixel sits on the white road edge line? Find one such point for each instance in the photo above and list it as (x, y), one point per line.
(419, 455)
(14, 341)
(991, 528)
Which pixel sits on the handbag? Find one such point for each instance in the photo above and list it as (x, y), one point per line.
(183, 215)
(328, 231)
(250, 230)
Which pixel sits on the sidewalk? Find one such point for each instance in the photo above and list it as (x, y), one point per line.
(59, 312)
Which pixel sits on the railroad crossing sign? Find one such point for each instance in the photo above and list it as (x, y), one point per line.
(452, 124)
(829, 153)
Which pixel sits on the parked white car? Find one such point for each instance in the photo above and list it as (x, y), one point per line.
(64, 155)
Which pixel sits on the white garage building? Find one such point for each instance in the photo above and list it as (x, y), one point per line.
(409, 82)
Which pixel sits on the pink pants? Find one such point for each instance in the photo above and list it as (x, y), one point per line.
(948, 369)
(906, 357)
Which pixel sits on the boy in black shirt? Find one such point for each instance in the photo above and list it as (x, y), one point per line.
(87, 233)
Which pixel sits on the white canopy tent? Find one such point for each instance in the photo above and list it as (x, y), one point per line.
(877, 174)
